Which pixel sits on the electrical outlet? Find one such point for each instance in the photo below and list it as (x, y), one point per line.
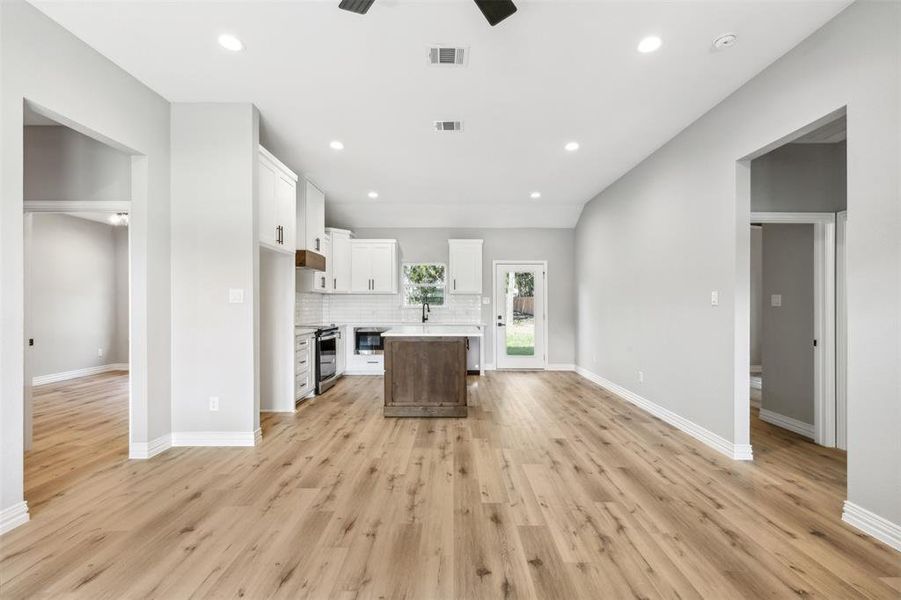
(214, 403)
(99, 352)
(641, 377)
(236, 296)
(776, 300)
(714, 298)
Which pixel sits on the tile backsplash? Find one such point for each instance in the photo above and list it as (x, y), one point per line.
(363, 308)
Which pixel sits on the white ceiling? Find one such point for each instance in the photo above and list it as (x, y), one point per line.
(555, 71)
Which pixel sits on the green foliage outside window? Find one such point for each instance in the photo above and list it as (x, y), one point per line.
(424, 282)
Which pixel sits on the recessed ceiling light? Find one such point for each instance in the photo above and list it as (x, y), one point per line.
(724, 41)
(230, 42)
(571, 146)
(373, 195)
(649, 44)
(336, 145)
(535, 195)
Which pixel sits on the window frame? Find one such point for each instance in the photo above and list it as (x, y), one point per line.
(403, 285)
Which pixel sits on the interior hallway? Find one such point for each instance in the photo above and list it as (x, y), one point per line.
(552, 488)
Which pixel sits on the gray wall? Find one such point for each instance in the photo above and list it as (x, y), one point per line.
(650, 248)
(800, 178)
(756, 293)
(787, 341)
(62, 164)
(552, 245)
(214, 157)
(66, 76)
(76, 290)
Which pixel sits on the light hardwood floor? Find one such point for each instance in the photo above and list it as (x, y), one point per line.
(552, 488)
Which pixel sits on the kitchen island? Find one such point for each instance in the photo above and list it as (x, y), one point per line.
(425, 370)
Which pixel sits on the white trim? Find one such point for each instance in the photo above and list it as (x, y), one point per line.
(76, 373)
(756, 382)
(145, 450)
(65, 206)
(213, 438)
(718, 443)
(824, 316)
(795, 425)
(841, 332)
(872, 524)
(13, 516)
(257, 436)
(793, 217)
(543, 265)
(561, 367)
(490, 367)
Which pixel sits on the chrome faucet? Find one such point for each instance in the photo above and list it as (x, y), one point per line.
(425, 309)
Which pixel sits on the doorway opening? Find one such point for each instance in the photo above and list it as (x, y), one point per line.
(797, 347)
(77, 202)
(520, 306)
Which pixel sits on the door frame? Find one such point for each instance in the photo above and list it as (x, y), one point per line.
(494, 304)
(824, 314)
(841, 331)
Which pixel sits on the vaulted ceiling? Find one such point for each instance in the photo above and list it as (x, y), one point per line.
(552, 73)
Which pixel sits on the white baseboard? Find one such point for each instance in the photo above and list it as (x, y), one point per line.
(257, 437)
(13, 516)
(214, 438)
(145, 450)
(718, 443)
(799, 427)
(756, 382)
(490, 367)
(561, 367)
(872, 524)
(74, 374)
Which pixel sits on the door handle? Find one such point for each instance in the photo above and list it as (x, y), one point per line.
(500, 324)
(335, 283)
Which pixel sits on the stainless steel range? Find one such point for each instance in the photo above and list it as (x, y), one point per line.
(326, 357)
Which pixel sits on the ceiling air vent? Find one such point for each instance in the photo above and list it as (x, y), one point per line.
(448, 125)
(448, 56)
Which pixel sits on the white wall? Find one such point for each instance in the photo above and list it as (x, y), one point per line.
(62, 164)
(652, 246)
(788, 330)
(75, 294)
(552, 245)
(800, 178)
(214, 157)
(89, 93)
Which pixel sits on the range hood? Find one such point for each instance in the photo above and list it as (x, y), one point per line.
(307, 259)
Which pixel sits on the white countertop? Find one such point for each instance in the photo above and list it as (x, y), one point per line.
(436, 330)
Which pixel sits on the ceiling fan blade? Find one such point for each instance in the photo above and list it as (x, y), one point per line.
(357, 6)
(496, 10)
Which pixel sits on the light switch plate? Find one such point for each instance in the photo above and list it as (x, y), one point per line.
(776, 300)
(236, 296)
(714, 298)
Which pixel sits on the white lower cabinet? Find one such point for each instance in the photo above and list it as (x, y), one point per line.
(304, 365)
(341, 351)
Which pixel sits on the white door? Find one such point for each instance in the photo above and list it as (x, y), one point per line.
(286, 199)
(465, 267)
(360, 268)
(519, 304)
(267, 204)
(382, 268)
(314, 215)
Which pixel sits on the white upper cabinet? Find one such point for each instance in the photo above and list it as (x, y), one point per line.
(311, 219)
(373, 266)
(277, 202)
(338, 263)
(465, 267)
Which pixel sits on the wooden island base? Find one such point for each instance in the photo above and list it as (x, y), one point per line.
(425, 376)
